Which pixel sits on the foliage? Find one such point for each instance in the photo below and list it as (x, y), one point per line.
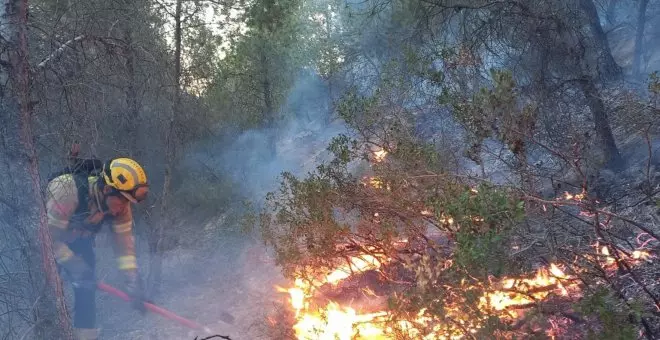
(259, 69)
(604, 306)
(306, 220)
(483, 221)
(462, 234)
(654, 86)
(495, 112)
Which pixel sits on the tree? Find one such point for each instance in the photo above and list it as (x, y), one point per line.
(262, 63)
(155, 244)
(608, 69)
(549, 52)
(447, 242)
(639, 38)
(18, 105)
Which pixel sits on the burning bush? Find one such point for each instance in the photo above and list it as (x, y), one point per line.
(410, 248)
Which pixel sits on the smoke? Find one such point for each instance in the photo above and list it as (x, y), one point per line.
(254, 159)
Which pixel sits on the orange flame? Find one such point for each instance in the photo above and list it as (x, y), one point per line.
(379, 156)
(520, 292)
(375, 182)
(577, 197)
(331, 320)
(608, 261)
(356, 264)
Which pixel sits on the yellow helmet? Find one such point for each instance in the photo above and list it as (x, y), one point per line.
(128, 177)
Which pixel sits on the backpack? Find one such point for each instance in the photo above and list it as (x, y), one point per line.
(81, 170)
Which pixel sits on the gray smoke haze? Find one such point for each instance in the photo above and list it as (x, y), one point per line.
(254, 159)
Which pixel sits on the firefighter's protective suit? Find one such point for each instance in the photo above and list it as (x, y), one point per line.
(77, 205)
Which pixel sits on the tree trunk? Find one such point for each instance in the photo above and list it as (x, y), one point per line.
(269, 111)
(608, 69)
(610, 12)
(603, 129)
(131, 96)
(639, 38)
(17, 103)
(328, 29)
(156, 239)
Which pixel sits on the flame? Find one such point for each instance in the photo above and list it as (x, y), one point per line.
(356, 264)
(336, 322)
(448, 220)
(379, 156)
(296, 295)
(641, 255)
(608, 261)
(331, 320)
(577, 197)
(520, 292)
(375, 182)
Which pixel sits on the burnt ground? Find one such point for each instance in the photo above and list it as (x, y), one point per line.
(230, 290)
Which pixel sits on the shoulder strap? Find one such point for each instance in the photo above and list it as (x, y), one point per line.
(86, 166)
(82, 184)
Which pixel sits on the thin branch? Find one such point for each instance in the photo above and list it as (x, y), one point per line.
(58, 52)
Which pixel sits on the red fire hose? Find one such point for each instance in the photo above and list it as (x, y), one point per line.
(153, 308)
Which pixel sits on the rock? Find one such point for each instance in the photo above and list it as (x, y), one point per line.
(226, 317)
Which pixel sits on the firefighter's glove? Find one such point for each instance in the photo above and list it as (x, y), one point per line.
(135, 291)
(78, 270)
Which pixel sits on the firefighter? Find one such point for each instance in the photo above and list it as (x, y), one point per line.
(79, 201)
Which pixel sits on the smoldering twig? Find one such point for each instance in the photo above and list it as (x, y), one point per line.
(587, 207)
(636, 224)
(624, 267)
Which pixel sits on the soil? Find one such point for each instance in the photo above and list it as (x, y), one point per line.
(230, 290)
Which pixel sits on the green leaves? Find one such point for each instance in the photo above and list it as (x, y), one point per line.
(495, 112)
(481, 254)
(357, 110)
(485, 208)
(343, 148)
(483, 217)
(615, 318)
(654, 83)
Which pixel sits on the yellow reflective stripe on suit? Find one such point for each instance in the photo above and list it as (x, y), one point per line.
(127, 262)
(62, 253)
(123, 227)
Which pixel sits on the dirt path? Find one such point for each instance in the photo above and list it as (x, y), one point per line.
(230, 291)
